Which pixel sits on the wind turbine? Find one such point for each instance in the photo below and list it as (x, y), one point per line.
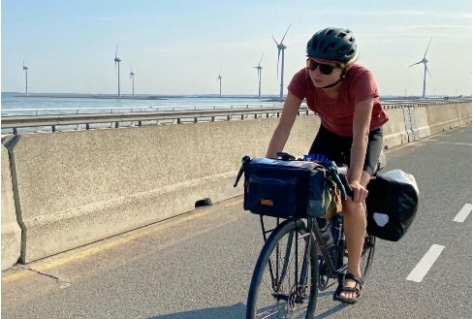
(25, 68)
(117, 64)
(219, 78)
(259, 70)
(281, 48)
(425, 63)
(132, 77)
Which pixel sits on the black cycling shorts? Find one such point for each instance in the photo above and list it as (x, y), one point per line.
(338, 148)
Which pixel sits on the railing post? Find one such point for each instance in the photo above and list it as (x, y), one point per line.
(77, 126)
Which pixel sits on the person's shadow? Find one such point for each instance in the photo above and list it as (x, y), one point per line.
(237, 311)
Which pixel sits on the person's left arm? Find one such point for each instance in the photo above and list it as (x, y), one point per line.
(360, 139)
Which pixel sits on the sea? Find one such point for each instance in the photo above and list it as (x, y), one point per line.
(14, 104)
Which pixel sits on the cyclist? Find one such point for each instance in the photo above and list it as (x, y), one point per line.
(345, 97)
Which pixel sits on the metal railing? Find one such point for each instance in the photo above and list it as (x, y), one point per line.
(54, 120)
(183, 116)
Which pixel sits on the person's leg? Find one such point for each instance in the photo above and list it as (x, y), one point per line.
(355, 222)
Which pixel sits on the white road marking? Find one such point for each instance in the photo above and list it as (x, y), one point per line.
(425, 263)
(463, 213)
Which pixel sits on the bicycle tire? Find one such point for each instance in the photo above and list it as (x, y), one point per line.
(368, 252)
(288, 227)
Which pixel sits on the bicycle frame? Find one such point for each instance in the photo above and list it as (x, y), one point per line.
(277, 273)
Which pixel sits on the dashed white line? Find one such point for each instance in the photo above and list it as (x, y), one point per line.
(463, 213)
(425, 263)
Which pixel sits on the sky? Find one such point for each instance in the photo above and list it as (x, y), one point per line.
(180, 46)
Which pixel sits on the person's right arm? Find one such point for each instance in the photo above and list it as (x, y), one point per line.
(282, 131)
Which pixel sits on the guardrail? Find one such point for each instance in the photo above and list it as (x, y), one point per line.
(54, 120)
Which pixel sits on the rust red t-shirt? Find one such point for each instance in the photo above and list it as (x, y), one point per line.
(337, 114)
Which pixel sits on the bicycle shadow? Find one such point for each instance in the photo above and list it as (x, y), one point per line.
(331, 311)
(237, 311)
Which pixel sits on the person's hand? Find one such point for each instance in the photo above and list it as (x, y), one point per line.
(360, 192)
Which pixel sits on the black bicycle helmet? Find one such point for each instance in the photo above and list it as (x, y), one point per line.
(334, 44)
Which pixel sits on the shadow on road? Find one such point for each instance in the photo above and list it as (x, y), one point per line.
(237, 311)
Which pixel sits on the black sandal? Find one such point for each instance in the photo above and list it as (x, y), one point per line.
(357, 289)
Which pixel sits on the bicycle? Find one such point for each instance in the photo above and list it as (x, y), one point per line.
(317, 266)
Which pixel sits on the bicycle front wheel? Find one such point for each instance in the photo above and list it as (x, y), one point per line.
(284, 283)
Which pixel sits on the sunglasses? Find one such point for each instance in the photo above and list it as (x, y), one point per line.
(323, 68)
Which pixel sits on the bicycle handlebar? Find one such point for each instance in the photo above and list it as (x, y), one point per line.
(338, 174)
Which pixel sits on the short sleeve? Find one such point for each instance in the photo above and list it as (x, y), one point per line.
(298, 85)
(364, 86)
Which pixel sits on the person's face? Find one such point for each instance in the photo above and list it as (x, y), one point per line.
(323, 73)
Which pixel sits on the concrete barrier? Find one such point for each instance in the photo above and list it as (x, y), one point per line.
(444, 117)
(420, 125)
(394, 130)
(11, 232)
(74, 188)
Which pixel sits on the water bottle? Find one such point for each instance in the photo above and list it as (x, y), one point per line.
(326, 232)
(336, 228)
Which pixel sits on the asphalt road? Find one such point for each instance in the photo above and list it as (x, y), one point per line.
(199, 265)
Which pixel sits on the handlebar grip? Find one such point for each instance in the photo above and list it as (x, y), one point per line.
(339, 175)
(347, 187)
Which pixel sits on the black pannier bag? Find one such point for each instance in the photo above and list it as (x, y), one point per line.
(392, 204)
(285, 189)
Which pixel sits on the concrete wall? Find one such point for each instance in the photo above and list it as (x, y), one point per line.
(74, 188)
(394, 130)
(441, 117)
(11, 232)
(78, 187)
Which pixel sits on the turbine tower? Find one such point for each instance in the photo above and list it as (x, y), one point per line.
(219, 78)
(25, 68)
(132, 77)
(281, 49)
(117, 64)
(425, 63)
(259, 70)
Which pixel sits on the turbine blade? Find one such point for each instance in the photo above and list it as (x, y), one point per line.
(429, 72)
(116, 50)
(285, 34)
(260, 59)
(427, 48)
(275, 41)
(415, 64)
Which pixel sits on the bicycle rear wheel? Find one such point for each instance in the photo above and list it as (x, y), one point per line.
(366, 260)
(367, 256)
(280, 288)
